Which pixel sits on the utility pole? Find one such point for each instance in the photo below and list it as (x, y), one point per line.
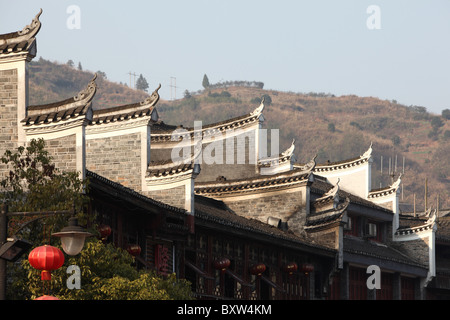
(173, 88)
(132, 74)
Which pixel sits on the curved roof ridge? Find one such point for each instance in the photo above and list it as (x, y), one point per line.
(20, 40)
(231, 123)
(81, 98)
(79, 105)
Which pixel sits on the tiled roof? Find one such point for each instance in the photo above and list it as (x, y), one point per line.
(77, 106)
(163, 132)
(324, 218)
(320, 186)
(20, 41)
(250, 184)
(126, 112)
(166, 168)
(381, 192)
(215, 211)
(364, 247)
(344, 164)
(96, 179)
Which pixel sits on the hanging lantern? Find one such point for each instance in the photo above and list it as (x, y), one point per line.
(290, 268)
(307, 268)
(134, 249)
(258, 269)
(46, 258)
(105, 231)
(47, 298)
(222, 264)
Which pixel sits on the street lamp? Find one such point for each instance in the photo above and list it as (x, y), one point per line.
(13, 248)
(72, 237)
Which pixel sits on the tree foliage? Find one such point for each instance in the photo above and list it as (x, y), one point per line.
(141, 83)
(205, 82)
(35, 184)
(107, 273)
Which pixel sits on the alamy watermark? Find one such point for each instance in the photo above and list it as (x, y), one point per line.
(373, 22)
(74, 280)
(235, 151)
(74, 19)
(374, 280)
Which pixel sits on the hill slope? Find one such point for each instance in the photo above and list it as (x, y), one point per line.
(334, 128)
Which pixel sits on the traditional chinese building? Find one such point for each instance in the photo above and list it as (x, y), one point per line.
(210, 204)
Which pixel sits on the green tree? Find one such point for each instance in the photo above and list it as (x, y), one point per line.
(396, 140)
(331, 127)
(35, 184)
(142, 84)
(70, 63)
(205, 82)
(436, 122)
(446, 114)
(107, 273)
(79, 66)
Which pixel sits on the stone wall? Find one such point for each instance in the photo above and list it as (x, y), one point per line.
(416, 249)
(63, 150)
(117, 158)
(8, 113)
(174, 196)
(288, 205)
(241, 162)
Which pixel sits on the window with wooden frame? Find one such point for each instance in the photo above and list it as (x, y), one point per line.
(351, 227)
(374, 231)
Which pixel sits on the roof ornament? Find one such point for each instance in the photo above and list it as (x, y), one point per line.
(89, 91)
(397, 182)
(432, 215)
(260, 109)
(368, 153)
(332, 193)
(35, 24)
(290, 150)
(310, 165)
(153, 99)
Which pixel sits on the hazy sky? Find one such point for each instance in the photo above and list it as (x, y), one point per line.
(388, 49)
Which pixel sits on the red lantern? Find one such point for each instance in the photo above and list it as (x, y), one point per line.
(307, 267)
(290, 268)
(105, 231)
(222, 264)
(258, 269)
(46, 258)
(134, 250)
(47, 298)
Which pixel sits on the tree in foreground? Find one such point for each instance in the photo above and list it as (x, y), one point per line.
(35, 184)
(107, 273)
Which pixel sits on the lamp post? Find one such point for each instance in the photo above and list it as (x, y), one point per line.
(72, 239)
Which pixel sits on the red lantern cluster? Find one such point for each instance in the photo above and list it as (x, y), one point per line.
(46, 258)
(105, 231)
(134, 249)
(258, 269)
(290, 268)
(222, 264)
(307, 268)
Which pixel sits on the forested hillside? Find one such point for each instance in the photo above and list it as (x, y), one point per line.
(407, 138)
